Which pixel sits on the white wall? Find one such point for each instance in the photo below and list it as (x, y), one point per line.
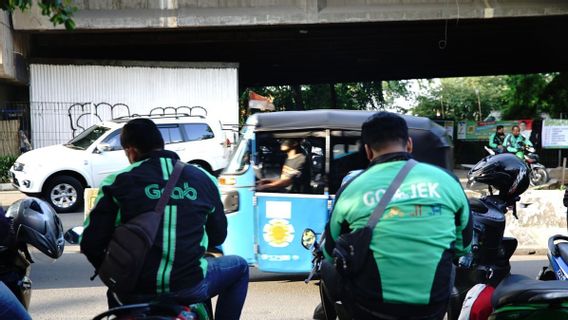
(54, 88)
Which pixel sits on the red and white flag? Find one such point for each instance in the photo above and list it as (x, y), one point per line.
(256, 101)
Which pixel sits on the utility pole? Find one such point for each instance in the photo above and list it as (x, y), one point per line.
(478, 103)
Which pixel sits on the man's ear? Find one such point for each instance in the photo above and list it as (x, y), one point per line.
(132, 154)
(409, 145)
(369, 152)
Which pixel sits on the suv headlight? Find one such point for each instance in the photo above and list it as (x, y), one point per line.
(230, 201)
(18, 166)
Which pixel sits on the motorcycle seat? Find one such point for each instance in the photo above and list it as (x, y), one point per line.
(522, 289)
(477, 205)
(563, 249)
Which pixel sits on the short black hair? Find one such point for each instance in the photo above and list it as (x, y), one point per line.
(515, 126)
(383, 129)
(499, 127)
(142, 134)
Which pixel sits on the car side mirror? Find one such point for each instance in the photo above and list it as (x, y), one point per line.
(73, 235)
(103, 147)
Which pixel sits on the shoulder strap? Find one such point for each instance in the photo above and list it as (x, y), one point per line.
(386, 198)
(170, 187)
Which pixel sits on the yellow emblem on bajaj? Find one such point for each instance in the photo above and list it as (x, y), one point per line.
(278, 233)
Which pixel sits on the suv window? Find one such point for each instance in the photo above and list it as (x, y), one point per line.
(198, 131)
(113, 140)
(87, 137)
(170, 133)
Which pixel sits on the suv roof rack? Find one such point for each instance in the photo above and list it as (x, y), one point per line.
(166, 112)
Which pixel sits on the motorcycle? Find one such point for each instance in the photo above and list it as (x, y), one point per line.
(155, 309)
(327, 309)
(515, 296)
(558, 259)
(538, 174)
(36, 234)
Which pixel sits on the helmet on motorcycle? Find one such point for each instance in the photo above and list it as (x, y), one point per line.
(505, 172)
(35, 222)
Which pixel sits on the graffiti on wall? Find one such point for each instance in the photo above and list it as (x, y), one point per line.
(83, 115)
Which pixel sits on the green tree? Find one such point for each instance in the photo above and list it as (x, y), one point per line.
(374, 95)
(524, 95)
(555, 95)
(460, 98)
(58, 11)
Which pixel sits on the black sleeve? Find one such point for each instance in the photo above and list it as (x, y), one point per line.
(216, 226)
(565, 200)
(99, 227)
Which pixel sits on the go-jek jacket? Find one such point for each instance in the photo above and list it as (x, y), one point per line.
(513, 143)
(426, 224)
(192, 221)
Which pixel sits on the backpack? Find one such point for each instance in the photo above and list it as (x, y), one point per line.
(132, 240)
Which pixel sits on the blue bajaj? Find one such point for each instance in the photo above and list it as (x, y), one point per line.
(264, 226)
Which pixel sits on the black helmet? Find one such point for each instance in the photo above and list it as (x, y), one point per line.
(505, 172)
(35, 222)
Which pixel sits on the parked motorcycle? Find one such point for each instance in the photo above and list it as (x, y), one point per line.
(515, 297)
(36, 234)
(157, 309)
(557, 258)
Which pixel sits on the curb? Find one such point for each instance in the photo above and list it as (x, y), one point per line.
(7, 187)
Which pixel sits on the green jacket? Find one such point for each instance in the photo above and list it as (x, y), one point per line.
(495, 140)
(513, 143)
(425, 225)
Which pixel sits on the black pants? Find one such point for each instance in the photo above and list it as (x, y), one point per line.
(334, 287)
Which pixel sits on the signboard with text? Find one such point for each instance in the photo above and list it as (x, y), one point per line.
(555, 134)
(478, 131)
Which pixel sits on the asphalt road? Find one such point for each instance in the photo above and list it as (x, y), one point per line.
(62, 290)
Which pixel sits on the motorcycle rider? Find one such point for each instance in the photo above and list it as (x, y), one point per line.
(425, 225)
(497, 139)
(515, 141)
(175, 269)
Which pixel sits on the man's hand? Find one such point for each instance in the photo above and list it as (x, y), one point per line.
(263, 184)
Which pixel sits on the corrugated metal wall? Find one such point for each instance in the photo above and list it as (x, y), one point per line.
(63, 97)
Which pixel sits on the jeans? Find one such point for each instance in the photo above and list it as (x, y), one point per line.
(10, 306)
(227, 277)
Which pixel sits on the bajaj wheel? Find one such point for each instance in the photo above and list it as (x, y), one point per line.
(538, 176)
(64, 194)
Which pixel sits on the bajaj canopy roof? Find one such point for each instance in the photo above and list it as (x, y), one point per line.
(431, 142)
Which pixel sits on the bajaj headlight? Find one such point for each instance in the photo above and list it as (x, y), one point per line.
(18, 166)
(230, 201)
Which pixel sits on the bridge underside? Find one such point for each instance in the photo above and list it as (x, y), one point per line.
(328, 53)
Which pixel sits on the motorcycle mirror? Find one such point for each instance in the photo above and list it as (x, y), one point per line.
(73, 235)
(308, 238)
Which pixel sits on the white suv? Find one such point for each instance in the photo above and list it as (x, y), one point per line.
(60, 173)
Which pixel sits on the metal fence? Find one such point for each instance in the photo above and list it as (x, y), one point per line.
(13, 118)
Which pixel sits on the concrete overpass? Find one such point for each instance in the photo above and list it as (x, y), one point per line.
(314, 41)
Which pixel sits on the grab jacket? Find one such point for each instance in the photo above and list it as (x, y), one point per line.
(424, 226)
(192, 221)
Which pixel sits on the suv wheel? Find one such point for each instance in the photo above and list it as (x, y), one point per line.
(64, 194)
